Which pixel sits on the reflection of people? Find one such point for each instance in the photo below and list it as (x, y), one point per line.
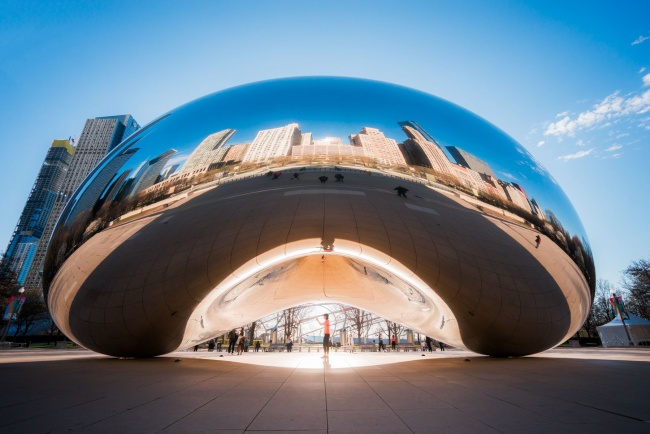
(441, 345)
(538, 240)
(289, 344)
(428, 342)
(211, 344)
(326, 334)
(381, 343)
(338, 177)
(323, 179)
(296, 176)
(257, 346)
(401, 191)
(393, 343)
(276, 175)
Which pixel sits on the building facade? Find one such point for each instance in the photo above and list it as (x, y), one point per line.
(378, 147)
(273, 143)
(31, 224)
(99, 136)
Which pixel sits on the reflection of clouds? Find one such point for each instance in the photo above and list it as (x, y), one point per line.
(179, 158)
(509, 176)
(613, 148)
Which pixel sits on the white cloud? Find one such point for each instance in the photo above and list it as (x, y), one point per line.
(642, 70)
(561, 115)
(575, 156)
(580, 142)
(613, 148)
(640, 40)
(540, 143)
(646, 80)
(612, 106)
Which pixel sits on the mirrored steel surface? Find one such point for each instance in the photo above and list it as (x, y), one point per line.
(216, 214)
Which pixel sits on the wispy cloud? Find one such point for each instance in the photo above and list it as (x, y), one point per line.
(613, 106)
(642, 70)
(640, 40)
(646, 80)
(613, 148)
(561, 115)
(579, 154)
(580, 142)
(540, 143)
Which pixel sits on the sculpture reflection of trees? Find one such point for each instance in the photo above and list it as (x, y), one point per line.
(360, 320)
(636, 281)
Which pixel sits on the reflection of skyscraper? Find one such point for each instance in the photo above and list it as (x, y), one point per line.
(515, 195)
(89, 198)
(329, 148)
(276, 142)
(99, 136)
(422, 151)
(376, 145)
(306, 139)
(537, 210)
(31, 223)
(236, 153)
(211, 150)
(148, 173)
(468, 160)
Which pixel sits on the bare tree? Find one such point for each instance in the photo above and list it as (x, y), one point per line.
(601, 311)
(636, 280)
(292, 318)
(359, 319)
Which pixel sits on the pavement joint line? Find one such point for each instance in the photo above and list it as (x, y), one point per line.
(611, 412)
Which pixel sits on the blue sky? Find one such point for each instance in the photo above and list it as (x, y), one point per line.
(568, 80)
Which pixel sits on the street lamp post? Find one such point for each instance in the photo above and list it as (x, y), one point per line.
(12, 311)
(619, 310)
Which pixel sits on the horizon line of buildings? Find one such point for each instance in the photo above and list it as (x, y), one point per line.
(66, 166)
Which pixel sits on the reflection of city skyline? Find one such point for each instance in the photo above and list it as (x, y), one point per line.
(419, 148)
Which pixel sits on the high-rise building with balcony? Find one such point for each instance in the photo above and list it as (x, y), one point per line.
(31, 224)
(99, 136)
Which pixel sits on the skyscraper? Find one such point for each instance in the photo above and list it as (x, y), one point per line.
(376, 145)
(31, 224)
(99, 136)
(211, 150)
(423, 150)
(276, 142)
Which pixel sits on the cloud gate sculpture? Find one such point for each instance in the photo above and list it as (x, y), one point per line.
(274, 194)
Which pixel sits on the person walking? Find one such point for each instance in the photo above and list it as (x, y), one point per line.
(538, 241)
(428, 342)
(232, 339)
(240, 342)
(401, 191)
(441, 345)
(326, 335)
(393, 343)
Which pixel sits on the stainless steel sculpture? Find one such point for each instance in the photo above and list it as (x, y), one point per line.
(218, 213)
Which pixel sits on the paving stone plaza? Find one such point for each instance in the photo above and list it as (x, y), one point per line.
(561, 391)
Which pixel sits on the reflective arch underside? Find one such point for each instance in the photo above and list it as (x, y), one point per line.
(229, 255)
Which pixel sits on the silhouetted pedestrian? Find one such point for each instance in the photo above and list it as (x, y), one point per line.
(232, 339)
(339, 177)
(428, 342)
(211, 345)
(538, 240)
(323, 179)
(401, 191)
(393, 343)
(240, 342)
(441, 345)
(257, 346)
(296, 176)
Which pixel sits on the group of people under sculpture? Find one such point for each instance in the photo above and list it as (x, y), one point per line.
(238, 340)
